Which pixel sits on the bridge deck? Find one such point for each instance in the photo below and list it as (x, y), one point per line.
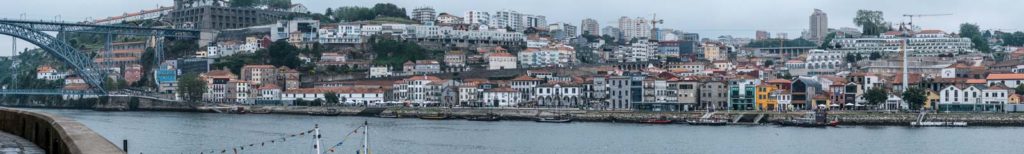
(11, 144)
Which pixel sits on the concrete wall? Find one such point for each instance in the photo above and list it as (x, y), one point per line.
(56, 135)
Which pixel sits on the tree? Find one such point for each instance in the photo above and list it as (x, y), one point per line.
(395, 53)
(352, 13)
(778, 42)
(317, 102)
(243, 3)
(121, 83)
(109, 84)
(871, 22)
(1012, 39)
(769, 63)
(827, 43)
(915, 97)
(281, 53)
(608, 39)
(1019, 90)
(389, 10)
(191, 87)
(331, 97)
(852, 58)
(971, 31)
(875, 56)
(278, 4)
(876, 95)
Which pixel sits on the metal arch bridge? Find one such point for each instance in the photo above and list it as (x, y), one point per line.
(63, 92)
(34, 32)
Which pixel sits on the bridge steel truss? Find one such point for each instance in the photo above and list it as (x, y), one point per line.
(34, 32)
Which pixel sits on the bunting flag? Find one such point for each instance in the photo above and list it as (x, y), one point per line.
(235, 149)
(337, 146)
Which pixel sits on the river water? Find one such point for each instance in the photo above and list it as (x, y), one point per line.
(175, 132)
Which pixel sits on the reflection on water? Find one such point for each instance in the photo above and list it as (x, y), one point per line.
(174, 132)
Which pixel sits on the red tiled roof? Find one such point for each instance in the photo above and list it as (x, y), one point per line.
(502, 54)
(525, 78)
(1005, 77)
(975, 81)
(338, 90)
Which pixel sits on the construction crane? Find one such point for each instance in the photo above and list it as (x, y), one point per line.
(911, 16)
(654, 26)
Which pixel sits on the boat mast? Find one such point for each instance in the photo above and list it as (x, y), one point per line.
(366, 126)
(316, 139)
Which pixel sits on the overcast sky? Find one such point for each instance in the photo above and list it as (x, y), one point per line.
(710, 18)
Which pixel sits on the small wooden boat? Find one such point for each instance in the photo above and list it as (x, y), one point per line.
(659, 120)
(435, 117)
(488, 117)
(391, 115)
(708, 122)
(260, 111)
(554, 120)
(558, 119)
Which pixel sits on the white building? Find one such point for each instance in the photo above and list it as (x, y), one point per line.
(341, 34)
(501, 97)
(425, 15)
(557, 55)
(419, 89)
(446, 18)
(504, 19)
(380, 71)
(307, 29)
(477, 17)
(500, 61)
(346, 95)
(49, 73)
(634, 28)
(921, 43)
(1008, 80)
(558, 94)
(640, 51)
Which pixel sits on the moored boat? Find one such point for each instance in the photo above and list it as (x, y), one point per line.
(555, 120)
(327, 112)
(387, 115)
(708, 122)
(435, 117)
(488, 117)
(659, 120)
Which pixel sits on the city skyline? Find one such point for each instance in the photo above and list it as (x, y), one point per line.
(742, 20)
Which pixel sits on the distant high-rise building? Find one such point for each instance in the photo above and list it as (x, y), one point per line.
(762, 35)
(562, 31)
(534, 21)
(611, 31)
(425, 15)
(634, 28)
(507, 19)
(782, 36)
(819, 26)
(477, 17)
(590, 27)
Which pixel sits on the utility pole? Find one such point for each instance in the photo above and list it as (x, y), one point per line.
(14, 63)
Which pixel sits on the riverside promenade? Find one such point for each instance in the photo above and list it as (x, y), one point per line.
(35, 132)
(11, 144)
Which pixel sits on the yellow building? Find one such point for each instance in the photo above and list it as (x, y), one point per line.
(763, 99)
(932, 97)
(1014, 99)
